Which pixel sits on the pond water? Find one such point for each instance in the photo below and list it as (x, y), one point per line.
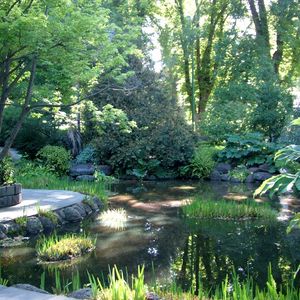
(157, 235)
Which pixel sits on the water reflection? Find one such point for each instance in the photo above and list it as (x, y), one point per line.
(181, 249)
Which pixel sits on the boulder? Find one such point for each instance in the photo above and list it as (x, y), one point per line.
(253, 170)
(85, 178)
(29, 287)
(151, 296)
(34, 226)
(223, 168)
(235, 180)
(72, 215)
(98, 202)
(82, 169)
(11, 228)
(2, 235)
(87, 208)
(79, 207)
(225, 177)
(48, 225)
(261, 176)
(250, 179)
(105, 169)
(85, 293)
(215, 176)
(264, 168)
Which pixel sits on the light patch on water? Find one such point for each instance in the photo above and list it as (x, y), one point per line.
(114, 218)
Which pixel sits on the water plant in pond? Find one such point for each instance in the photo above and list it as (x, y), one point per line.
(68, 246)
(114, 218)
(119, 288)
(33, 176)
(226, 209)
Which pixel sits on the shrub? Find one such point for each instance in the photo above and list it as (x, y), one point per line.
(249, 149)
(240, 172)
(202, 162)
(55, 248)
(56, 158)
(87, 155)
(6, 171)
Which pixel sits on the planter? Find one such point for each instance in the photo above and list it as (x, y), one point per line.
(10, 195)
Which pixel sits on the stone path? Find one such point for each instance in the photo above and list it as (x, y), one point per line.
(43, 199)
(21, 294)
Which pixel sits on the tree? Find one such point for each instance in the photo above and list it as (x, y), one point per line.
(50, 53)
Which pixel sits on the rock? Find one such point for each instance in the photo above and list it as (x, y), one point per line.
(13, 242)
(151, 296)
(4, 228)
(85, 293)
(253, 170)
(235, 180)
(72, 215)
(80, 209)
(250, 179)
(225, 177)
(47, 224)
(85, 178)
(98, 202)
(264, 168)
(82, 169)
(34, 226)
(87, 208)
(105, 169)
(150, 178)
(215, 176)
(261, 176)
(29, 287)
(12, 228)
(2, 235)
(223, 168)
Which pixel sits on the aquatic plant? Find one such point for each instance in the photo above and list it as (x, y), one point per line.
(118, 288)
(37, 177)
(114, 218)
(68, 246)
(3, 281)
(226, 209)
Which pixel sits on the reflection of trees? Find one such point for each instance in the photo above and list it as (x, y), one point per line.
(213, 248)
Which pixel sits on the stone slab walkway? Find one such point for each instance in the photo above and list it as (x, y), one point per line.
(20, 294)
(43, 199)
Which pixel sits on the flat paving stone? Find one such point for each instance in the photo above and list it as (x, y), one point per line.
(20, 294)
(40, 199)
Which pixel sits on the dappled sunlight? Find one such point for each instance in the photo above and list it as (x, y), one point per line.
(235, 197)
(183, 188)
(114, 218)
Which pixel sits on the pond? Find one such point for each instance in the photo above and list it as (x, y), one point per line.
(157, 235)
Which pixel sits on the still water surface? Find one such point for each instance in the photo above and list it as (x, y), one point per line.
(156, 234)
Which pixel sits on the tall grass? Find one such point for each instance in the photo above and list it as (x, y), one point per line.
(68, 246)
(33, 176)
(226, 209)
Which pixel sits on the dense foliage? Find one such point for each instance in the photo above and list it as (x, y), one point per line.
(6, 171)
(56, 159)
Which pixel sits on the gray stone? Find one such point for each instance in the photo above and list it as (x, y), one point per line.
(253, 170)
(47, 224)
(261, 176)
(98, 202)
(72, 215)
(34, 226)
(87, 208)
(250, 178)
(2, 235)
(18, 188)
(105, 169)
(223, 168)
(225, 177)
(4, 227)
(151, 296)
(80, 209)
(29, 287)
(82, 169)
(235, 180)
(85, 178)
(264, 168)
(215, 176)
(82, 294)
(12, 227)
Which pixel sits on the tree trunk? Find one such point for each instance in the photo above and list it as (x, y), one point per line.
(4, 90)
(24, 113)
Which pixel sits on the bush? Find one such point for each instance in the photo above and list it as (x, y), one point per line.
(240, 172)
(202, 162)
(6, 171)
(56, 158)
(249, 149)
(87, 155)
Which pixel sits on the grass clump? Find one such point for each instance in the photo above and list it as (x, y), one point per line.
(69, 246)
(226, 209)
(114, 218)
(33, 176)
(48, 214)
